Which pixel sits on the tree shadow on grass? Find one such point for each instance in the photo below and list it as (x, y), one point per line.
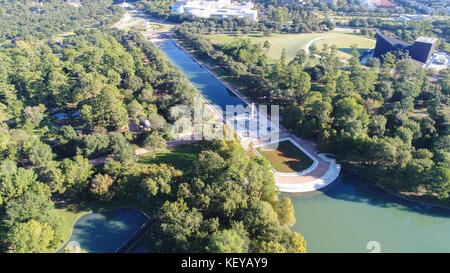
(77, 205)
(296, 159)
(180, 157)
(348, 50)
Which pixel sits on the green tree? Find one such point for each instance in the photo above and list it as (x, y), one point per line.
(68, 134)
(157, 180)
(101, 187)
(298, 242)
(261, 182)
(122, 150)
(154, 142)
(41, 154)
(34, 114)
(31, 237)
(285, 212)
(33, 206)
(227, 241)
(76, 173)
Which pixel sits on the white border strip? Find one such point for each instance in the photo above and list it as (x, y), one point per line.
(326, 179)
(274, 128)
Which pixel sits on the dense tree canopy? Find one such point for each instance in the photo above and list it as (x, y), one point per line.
(390, 120)
(31, 20)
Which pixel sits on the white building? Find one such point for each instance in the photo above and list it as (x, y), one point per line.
(219, 8)
(376, 4)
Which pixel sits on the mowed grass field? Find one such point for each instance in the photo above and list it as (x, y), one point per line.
(287, 158)
(293, 42)
(181, 157)
(344, 43)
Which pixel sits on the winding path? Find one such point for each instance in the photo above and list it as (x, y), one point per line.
(308, 45)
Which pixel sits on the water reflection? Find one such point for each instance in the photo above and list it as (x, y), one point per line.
(351, 212)
(104, 232)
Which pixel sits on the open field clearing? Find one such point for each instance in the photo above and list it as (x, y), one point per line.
(344, 43)
(293, 42)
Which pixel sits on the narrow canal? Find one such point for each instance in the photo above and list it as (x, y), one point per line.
(211, 88)
(351, 215)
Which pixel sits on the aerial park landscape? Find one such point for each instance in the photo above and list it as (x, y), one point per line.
(323, 196)
(289, 161)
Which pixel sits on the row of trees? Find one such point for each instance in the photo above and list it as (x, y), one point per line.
(31, 20)
(100, 82)
(226, 202)
(294, 18)
(103, 82)
(391, 121)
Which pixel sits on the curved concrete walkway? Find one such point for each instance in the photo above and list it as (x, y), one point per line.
(321, 176)
(313, 181)
(308, 45)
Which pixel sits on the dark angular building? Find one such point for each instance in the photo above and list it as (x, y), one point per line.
(421, 51)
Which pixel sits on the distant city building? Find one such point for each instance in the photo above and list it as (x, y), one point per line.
(74, 3)
(387, 44)
(407, 18)
(218, 8)
(422, 51)
(334, 2)
(423, 48)
(429, 6)
(284, 2)
(373, 4)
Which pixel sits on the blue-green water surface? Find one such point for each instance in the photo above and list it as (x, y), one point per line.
(351, 213)
(104, 232)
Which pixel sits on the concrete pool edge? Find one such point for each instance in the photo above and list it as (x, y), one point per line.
(329, 177)
(326, 179)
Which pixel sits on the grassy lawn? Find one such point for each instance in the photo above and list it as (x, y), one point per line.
(140, 25)
(344, 42)
(158, 27)
(60, 37)
(287, 158)
(181, 157)
(293, 42)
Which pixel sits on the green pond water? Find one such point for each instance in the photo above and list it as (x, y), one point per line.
(351, 214)
(104, 232)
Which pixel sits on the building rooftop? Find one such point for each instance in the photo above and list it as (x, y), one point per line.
(422, 51)
(220, 8)
(424, 39)
(393, 41)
